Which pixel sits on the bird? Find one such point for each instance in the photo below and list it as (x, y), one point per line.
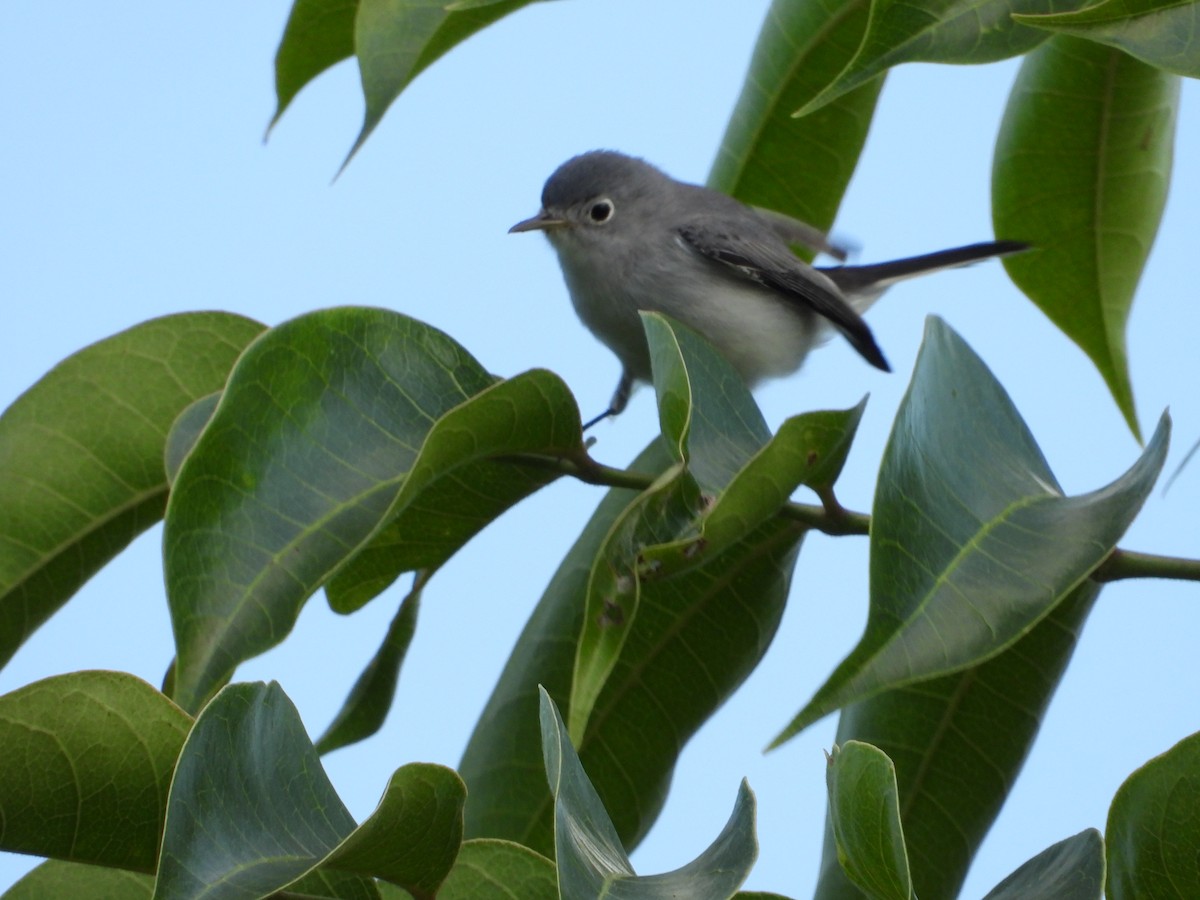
(631, 238)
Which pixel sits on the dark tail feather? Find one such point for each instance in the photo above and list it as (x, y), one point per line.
(861, 339)
(877, 277)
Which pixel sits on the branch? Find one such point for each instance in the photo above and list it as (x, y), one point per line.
(833, 519)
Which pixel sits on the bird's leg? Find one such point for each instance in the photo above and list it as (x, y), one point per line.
(620, 399)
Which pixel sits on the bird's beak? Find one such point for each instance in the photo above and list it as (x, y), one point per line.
(543, 221)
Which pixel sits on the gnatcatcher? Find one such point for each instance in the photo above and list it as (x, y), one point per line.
(629, 237)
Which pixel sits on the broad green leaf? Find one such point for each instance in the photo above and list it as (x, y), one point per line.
(435, 523)
(413, 837)
(615, 587)
(943, 31)
(974, 727)
(326, 883)
(56, 878)
(587, 848)
(313, 436)
(318, 34)
(82, 456)
(367, 706)
(864, 812)
(394, 40)
(590, 858)
(1072, 869)
(354, 412)
(462, 5)
(1154, 828)
(464, 478)
(766, 157)
(711, 428)
(251, 809)
(86, 756)
(507, 796)
(972, 540)
(707, 414)
(499, 870)
(1162, 33)
(696, 638)
(808, 449)
(185, 431)
(397, 39)
(1081, 170)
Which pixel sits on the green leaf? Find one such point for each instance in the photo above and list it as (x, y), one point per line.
(327, 883)
(1154, 828)
(972, 540)
(1163, 33)
(507, 795)
(397, 39)
(318, 34)
(82, 456)
(587, 848)
(615, 587)
(711, 427)
(434, 524)
(345, 406)
(56, 878)
(251, 809)
(974, 727)
(864, 811)
(501, 870)
(696, 638)
(1081, 171)
(808, 449)
(466, 475)
(413, 837)
(591, 860)
(707, 414)
(185, 431)
(945, 31)
(1072, 869)
(339, 402)
(462, 5)
(367, 706)
(802, 47)
(86, 756)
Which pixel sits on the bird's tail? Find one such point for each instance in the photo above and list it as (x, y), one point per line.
(865, 283)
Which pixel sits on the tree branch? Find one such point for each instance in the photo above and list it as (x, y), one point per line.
(831, 519)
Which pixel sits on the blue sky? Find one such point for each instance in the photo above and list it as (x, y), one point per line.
(135, 183)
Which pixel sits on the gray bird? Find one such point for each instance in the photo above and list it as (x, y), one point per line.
(629, 237)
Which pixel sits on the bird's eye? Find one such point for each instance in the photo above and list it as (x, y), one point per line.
(601, 211)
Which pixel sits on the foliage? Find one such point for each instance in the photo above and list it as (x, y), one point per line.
(350, 446)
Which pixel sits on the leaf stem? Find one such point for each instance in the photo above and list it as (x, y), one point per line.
(1123, 564)
(835, 521)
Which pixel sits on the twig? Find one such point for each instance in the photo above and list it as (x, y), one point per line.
(833, 519)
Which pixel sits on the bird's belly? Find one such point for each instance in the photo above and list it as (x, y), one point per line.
(754, 329)
(757, 331)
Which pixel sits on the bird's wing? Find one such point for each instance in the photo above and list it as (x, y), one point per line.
(767, 260)
(800, 234)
